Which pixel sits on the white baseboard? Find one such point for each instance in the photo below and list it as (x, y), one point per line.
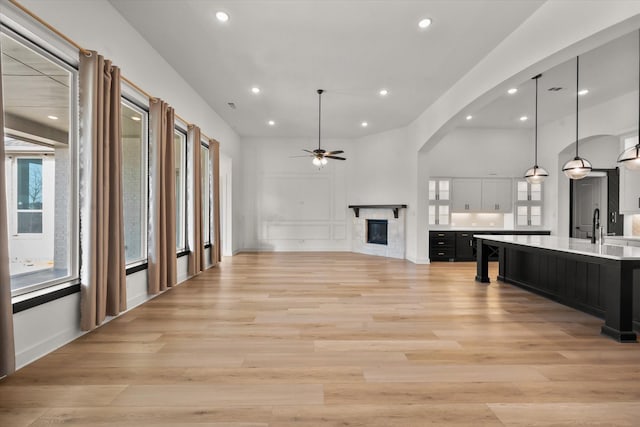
(44, 347)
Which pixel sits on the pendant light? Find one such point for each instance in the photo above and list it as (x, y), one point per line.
(536, 174)
(630, 157)
(579, 167)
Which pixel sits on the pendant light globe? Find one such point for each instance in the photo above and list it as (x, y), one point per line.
(630, 158)
(536, 175)
(577, 168)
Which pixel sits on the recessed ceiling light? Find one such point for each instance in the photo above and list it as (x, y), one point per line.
(469, 117)
(135, 118)
(271, 123)
(424, 23)
(583, 92)
(512, 91)
(383, 92)
(524, 118)
(364, 124)
(52, 117)
(222, 16)
(255, 90)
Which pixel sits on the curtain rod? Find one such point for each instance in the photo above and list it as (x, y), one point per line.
(88, 52)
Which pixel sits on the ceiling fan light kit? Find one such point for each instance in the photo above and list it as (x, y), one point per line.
(630, 157)
(536, 174)
(577, 168)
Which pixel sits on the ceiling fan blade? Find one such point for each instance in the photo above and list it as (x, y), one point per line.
(335, 157)
(331, 153)
(308, 151)
(306, 155)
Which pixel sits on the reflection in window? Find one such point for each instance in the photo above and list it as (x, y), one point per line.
(134, 182)
(206, 199)
(180, 141)
(39, 100)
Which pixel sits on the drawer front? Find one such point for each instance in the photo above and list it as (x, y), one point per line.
(442, 254)
(448, 236)
(441, 243)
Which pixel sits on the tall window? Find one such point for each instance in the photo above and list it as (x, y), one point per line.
(39, 99)
(180, 141)
(206, 196)
(134, 181)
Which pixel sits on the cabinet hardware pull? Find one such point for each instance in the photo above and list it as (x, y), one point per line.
(441, 253)
(471, 243)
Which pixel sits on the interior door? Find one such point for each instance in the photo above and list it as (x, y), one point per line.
(588, 195)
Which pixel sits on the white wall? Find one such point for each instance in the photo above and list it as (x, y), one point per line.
(476, 152)
(292, 205)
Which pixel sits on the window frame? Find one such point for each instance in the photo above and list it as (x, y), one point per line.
(17, 33)
(15, 211)
(185, 223)
(144, 112)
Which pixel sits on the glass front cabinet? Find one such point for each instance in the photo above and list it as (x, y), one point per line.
(439, 201)
(528, 204)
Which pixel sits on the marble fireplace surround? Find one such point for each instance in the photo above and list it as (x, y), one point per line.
(396, 230)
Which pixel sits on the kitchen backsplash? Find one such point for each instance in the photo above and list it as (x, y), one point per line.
(635, 225)
(485, 220)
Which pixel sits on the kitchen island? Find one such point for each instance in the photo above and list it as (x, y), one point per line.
(597, 279)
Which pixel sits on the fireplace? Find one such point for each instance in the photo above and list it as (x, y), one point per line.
(377, 231)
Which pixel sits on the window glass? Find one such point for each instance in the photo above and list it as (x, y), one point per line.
(39, 101)
(180, 142)
(536, 192)
(134, 182)
(523, 190)
(443, 214)
(443, 190)
(432, 215)
(206, 199)
(432, 190)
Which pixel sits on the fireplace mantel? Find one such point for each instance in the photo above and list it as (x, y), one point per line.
(395, 208)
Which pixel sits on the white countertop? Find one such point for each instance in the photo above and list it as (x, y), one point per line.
(570, 245)
(623, 238)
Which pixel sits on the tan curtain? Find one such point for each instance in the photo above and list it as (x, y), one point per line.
(102, 274)
(194, 203)
(7, 346)
(214, 156)
(162, 198)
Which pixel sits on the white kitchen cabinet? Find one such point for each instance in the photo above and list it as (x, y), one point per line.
(466, 195)
(629, 183)
(496, 195)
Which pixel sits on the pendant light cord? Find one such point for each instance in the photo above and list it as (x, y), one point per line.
(319, 114)
(536, 125)
(577, 99)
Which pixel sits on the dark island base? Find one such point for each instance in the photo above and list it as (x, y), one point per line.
(597, 286)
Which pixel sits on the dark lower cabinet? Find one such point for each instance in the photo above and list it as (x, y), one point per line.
(460, 245)
(465, 246)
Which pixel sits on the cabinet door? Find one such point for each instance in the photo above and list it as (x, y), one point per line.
(496, 195)
(466, 195)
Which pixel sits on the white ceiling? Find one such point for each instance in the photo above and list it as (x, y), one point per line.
(350, 48)
(608, 71)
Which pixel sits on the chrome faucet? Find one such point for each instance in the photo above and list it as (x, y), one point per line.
(595, 224)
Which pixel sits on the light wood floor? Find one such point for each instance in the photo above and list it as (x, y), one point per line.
(335, 339)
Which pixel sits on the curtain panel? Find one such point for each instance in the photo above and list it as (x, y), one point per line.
(102, 272)
(214, 156)
(194, 203)
(162, 198)
(7, 345)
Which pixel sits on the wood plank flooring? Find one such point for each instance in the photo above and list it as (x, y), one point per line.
(335, 339)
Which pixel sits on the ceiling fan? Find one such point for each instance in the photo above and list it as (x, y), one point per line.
(319, 155)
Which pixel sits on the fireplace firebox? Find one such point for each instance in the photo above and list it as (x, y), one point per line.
(377, 231)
